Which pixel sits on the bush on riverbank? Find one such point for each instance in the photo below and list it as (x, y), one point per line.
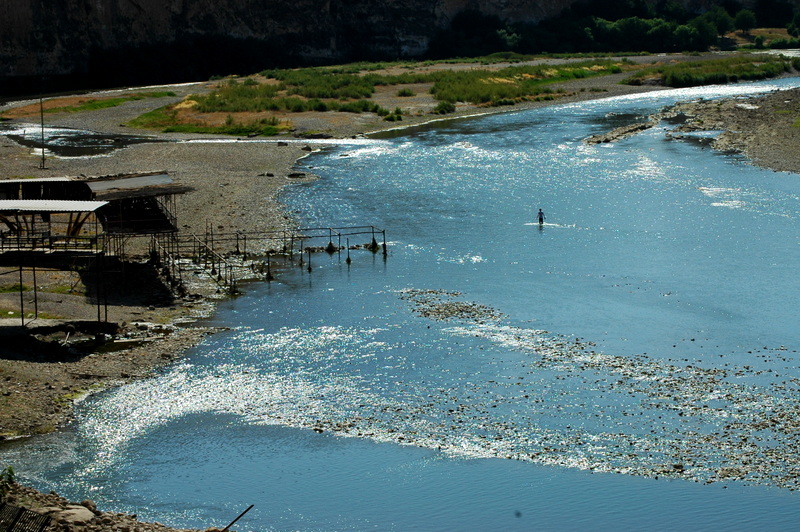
(727, 70)
(7, 478)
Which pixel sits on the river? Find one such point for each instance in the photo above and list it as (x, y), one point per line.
(630, 363)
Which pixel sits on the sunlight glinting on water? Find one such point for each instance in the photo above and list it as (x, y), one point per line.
(663, 273)
(562, 403)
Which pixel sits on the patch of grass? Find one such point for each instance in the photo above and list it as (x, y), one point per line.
(74, 395)
(239, 130)
(727, 70)
(299, 91)
(14, 314)
(513, 84)
(155, 119)
(7, 289)
(166, 119)
(105, 103)
(64, 289)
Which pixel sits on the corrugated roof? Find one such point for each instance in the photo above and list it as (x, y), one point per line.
(128, 183)
(37, 180)
(149, 192)
(13, 205)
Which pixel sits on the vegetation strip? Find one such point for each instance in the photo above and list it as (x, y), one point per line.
(727, 70)
(105, 103)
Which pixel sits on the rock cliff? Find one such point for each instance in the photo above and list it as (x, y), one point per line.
(47, 45)
(52, 45)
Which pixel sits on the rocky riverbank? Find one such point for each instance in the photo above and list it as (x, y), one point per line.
(764, 128)
(82, 516)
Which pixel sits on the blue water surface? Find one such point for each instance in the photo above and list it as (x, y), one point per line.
(630, 364)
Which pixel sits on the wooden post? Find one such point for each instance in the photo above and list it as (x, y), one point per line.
(97, 280)
(240, 516)
(21, 298)
(42, 165)
(35, 290)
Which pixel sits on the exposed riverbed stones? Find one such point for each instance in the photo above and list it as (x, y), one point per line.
(760, 127)
(621, 132)
(82, 517)
(441, 305)
(561, 401)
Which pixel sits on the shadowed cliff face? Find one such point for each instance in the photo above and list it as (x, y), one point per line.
(90, 43)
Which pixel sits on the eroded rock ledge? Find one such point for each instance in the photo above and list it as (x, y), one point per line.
(760, 127)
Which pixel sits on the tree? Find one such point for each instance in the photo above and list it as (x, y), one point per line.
(661, 38)
(745, 20)
(686, 37)
(720, 19)
(706, 34)
(794, 26)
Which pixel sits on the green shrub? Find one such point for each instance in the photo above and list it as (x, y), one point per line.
(503, 101)
(405, 93)
(784, 43)
(394, 116)
(318, 105)
(443, 108)
(7, 479)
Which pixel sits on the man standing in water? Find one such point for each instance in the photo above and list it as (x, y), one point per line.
(541, 217)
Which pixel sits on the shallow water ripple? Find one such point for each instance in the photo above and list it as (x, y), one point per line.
(560, 402)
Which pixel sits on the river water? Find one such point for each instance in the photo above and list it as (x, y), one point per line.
(632, 363)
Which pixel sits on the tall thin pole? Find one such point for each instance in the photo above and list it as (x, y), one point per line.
(35, 290)
(21, 298)
(240, 516)
(41, 113)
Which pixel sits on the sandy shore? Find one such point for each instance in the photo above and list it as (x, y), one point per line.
(236, 185)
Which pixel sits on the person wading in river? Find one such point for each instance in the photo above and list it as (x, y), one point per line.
(540, 215)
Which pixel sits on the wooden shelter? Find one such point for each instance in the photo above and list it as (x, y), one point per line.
(56, 213)
(50, 224)
(83, 224)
